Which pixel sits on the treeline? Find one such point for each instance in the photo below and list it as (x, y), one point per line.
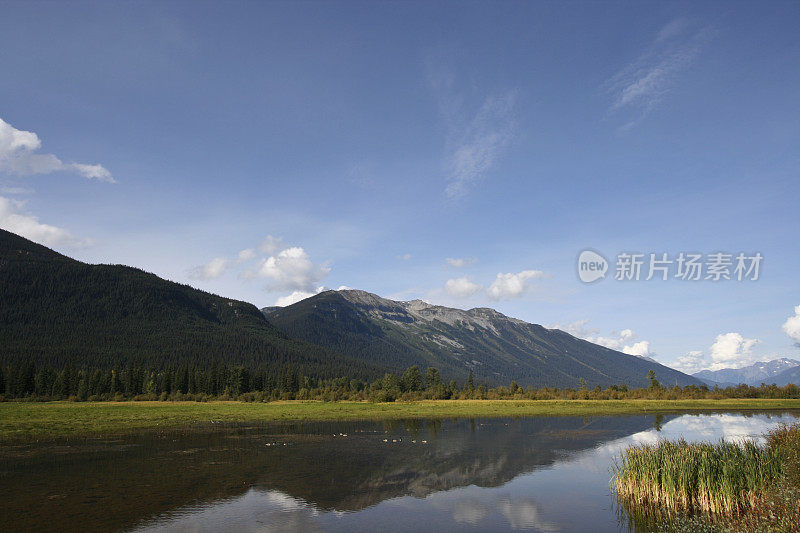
(262, 383)
(137, 382)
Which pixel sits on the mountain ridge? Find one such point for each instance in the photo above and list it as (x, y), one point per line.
(495, 347)
(755, 374)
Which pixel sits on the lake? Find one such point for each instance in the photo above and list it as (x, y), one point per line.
(538, 474)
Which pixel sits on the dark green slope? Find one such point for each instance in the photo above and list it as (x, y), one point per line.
(54, 309)
(496, 348)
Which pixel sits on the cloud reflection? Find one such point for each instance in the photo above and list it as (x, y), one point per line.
(256, 511)
(569, 493)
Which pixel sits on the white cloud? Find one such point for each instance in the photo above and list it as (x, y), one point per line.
(622, 341)
(14, 219)
(97, 172)
(478, 146)
(616, 342)
(19, 155)
(731, 350)
(478, 127)
(512, 285)
(404, 257)
(272, 245)
(671, 30)
(460, 262)
(639, 349)
(642, 85)
(691, 363)
(212, 270)
(16, 190)
(576, 329)
(296, 296)
(291, 269)
(792, 325)
(246, 255)
(461, 287)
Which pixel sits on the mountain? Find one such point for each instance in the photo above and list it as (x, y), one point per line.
(790, 375)
(496, 348)
(762, 372)
(54, 310)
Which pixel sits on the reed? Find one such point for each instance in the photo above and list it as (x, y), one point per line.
(723, 478)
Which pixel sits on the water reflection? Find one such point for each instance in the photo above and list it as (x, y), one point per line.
(543, 474)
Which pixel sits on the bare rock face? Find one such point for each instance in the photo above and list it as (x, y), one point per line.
(423, 313)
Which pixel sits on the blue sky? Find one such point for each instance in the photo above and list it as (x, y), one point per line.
(265, 150)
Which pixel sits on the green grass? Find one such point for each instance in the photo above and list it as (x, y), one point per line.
(34, 420)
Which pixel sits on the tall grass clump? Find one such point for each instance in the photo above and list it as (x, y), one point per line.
(719, 478)
(675, 487)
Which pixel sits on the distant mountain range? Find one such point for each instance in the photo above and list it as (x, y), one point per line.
(496, 348)
(779, 371)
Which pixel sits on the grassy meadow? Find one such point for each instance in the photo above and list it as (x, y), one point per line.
(22, 421)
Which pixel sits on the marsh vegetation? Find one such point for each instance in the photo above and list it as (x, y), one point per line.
(735, 486)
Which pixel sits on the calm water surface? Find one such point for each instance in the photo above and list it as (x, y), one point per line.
(539, 474)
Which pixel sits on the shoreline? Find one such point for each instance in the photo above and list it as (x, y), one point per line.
(30, 421)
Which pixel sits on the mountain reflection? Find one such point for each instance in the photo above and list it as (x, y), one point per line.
(106, 484)
(415, 474)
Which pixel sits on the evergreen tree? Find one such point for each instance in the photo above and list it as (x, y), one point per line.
(432, 379)
(654, 384)
(42, 382)
(25, 380)
(60, 389)
(83, 387)
(115, 383)
(191, 386)
(411, 380)
(95, 382)
(391, 385)
(452, 389)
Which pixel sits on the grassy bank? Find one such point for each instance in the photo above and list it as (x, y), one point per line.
(720, 486)
(33, 420)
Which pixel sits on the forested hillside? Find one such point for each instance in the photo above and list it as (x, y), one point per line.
(55, 312)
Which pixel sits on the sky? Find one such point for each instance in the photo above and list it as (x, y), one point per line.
(463, 153)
